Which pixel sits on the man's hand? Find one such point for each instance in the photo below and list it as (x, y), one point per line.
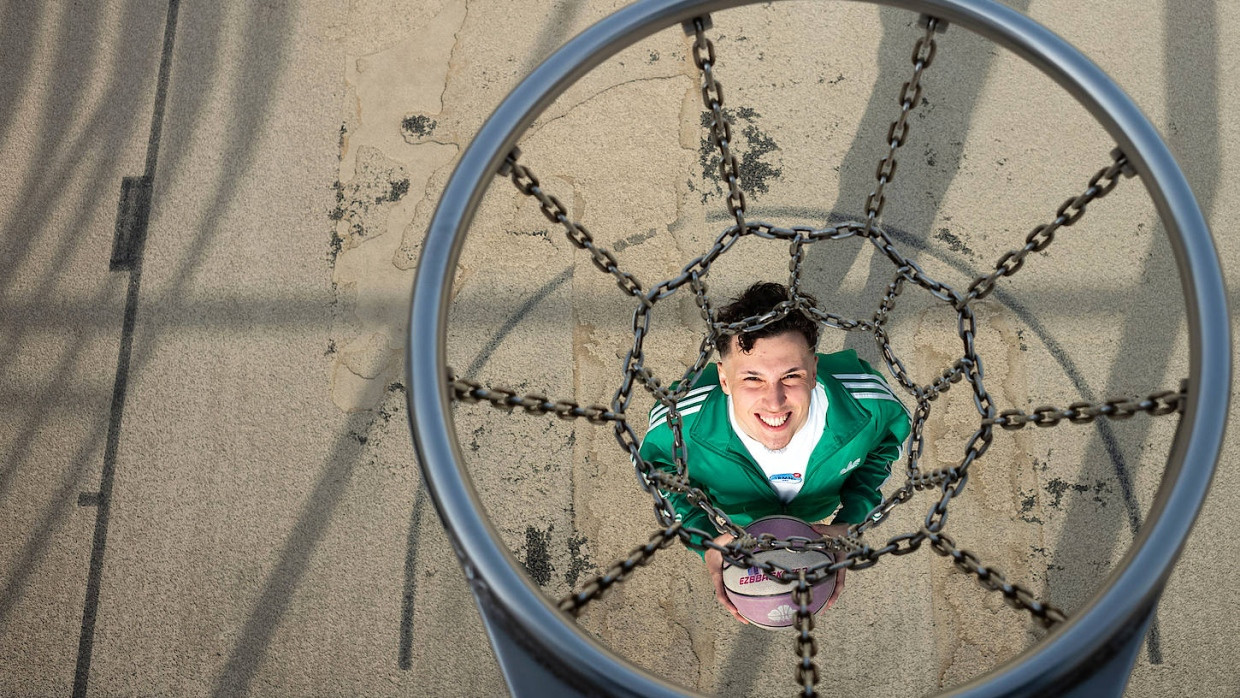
(828, 531)
(714, 564)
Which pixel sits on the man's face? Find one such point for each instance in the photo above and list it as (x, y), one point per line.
(770, 387)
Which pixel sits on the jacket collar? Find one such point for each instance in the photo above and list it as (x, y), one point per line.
(712, 423)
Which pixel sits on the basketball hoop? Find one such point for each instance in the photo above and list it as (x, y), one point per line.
(539, 647)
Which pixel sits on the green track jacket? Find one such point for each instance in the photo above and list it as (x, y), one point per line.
(866, 426)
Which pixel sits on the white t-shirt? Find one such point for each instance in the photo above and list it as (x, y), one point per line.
(785, 468)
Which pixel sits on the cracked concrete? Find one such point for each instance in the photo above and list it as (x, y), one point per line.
(386, 177)
(975, 632)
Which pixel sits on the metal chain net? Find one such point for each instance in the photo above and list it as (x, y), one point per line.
(851, 551)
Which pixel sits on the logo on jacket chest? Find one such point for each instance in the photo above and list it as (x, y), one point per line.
(851, 464)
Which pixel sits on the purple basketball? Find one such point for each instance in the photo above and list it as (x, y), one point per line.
(765, 601)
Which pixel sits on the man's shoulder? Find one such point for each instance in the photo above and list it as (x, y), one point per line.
(843, 362)
(856, 377)
(690, 405)
(705, 381)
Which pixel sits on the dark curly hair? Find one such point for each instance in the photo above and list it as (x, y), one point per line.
(759, 299)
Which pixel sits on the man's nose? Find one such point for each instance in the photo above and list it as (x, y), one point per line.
(776, 395)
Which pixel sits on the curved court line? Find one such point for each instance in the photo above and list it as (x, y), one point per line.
(515, 319)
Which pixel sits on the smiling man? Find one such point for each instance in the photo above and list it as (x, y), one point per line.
(775, 428)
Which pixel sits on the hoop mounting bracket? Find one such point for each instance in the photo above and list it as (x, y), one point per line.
(1128, 170)
(505, 167)
(940, 25)
(691, 30)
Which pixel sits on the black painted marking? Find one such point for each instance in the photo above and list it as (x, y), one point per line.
(133, 217)
(634, 240)
(954, 243)
(418, 125)
(89, 499)
(132, 214)
(396, 192)
(753, 171)
(86, 639)
(538, 555)
(1153, 640)
(578, 561)
(405, 656)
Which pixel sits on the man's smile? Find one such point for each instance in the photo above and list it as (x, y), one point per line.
(775, 422)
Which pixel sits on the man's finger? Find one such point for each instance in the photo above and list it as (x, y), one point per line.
(839, 588)
(722, 597)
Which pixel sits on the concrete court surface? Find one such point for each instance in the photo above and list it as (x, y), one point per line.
(207, 483)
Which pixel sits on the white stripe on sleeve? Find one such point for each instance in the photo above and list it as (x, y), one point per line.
(660, 423)
(659, 411)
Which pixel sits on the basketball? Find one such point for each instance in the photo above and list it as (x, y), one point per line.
(765, 601)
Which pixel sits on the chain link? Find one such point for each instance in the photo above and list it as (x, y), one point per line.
(910, 94)
(807, 647)
(720, 128)
(1069, 212)
(1157, 404)
(917, 438)
(1014, 594)
(469, 391)
(556, 212)
(619, 570)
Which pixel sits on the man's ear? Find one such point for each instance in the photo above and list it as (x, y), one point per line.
(723, 378)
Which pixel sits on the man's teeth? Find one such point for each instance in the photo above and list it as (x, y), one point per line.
(774, 421)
